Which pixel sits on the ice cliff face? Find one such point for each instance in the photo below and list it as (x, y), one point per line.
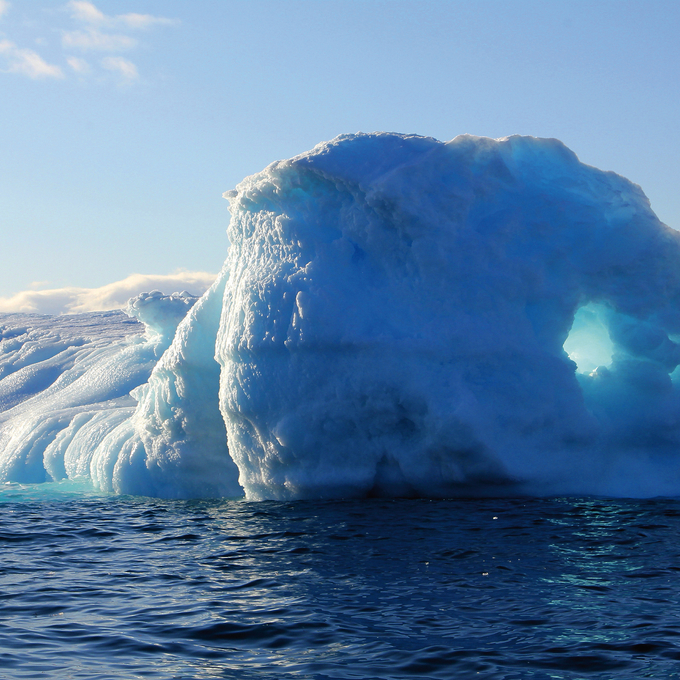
(392, 320)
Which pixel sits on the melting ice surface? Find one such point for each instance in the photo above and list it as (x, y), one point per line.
(396, 316)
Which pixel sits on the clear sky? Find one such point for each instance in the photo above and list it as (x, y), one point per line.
(122, 122)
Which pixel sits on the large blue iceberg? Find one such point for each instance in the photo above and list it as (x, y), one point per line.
(396, 316)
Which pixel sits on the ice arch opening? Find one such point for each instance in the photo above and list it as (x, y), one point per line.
(588, 344)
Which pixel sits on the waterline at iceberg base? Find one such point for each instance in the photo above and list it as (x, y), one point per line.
(396, 316)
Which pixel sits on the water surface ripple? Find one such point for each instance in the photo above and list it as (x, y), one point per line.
(118, 587)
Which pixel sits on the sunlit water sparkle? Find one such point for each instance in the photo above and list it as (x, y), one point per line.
(95, 586)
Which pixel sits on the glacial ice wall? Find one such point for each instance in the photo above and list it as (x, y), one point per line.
(396, 316)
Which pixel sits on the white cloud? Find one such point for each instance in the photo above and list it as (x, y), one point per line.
(86, 11)
(126, 68)
(96, 34)
(92, 39)
(89, 14)
(145, 20)
(27, 62)
(112, 296)
(24, 61)
(79, 65)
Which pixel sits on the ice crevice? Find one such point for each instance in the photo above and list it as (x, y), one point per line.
(396, 316)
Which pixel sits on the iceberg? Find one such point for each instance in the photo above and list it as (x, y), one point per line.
(66, 381)
(396, 316)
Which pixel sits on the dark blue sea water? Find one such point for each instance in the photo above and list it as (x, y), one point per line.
(119, 587)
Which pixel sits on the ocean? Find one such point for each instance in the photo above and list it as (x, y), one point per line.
(97, 586)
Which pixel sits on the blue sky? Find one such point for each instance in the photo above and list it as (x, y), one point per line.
(121, 123)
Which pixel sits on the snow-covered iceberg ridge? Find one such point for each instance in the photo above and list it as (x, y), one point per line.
(396, 316)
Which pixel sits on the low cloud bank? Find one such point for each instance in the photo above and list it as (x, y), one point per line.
(111, 296)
